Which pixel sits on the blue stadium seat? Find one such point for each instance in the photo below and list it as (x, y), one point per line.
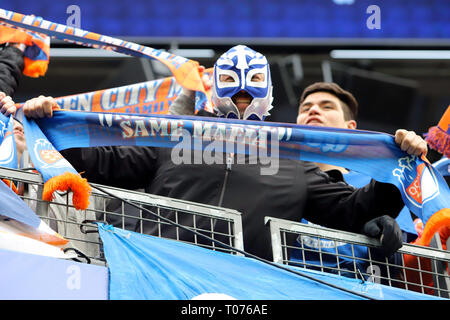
(269, 28)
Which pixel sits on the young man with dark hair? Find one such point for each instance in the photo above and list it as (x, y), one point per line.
(328, 105)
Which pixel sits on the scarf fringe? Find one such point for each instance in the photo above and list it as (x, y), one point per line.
(11, 185)
(34, 68)
(436, 221)
(425, 276)
(69, 181)
(33, 65)
(439, 140)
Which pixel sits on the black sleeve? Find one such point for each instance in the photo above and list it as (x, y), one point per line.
(335, 204)
(123, 167)
(11, 67)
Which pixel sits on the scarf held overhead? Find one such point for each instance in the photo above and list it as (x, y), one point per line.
(184, 70)
(423, 188)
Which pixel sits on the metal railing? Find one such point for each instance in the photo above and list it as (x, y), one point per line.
(112, 206)
(417, 268)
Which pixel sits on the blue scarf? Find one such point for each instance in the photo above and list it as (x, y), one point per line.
(422, 187)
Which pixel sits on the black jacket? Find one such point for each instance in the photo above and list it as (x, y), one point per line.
(299, 189)
(11, 67)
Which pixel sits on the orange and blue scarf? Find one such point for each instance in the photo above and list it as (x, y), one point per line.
(149, 97)
(36, 55)
(185, 72)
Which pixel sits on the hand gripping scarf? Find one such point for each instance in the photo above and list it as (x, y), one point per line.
(422, 187)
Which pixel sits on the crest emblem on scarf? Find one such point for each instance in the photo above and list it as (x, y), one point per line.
(48, 155)
(414, 179)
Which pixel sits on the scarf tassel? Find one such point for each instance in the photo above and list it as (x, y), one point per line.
(34, 68)
(69, 181)
(439, 140)
(436, 222)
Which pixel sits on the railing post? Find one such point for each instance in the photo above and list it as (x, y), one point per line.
(441, 278)
(275, 236)
(41, 205)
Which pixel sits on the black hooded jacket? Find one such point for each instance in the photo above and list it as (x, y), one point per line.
(299, 189)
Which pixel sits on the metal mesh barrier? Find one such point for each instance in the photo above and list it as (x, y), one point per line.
(79, 226)
(416, 268)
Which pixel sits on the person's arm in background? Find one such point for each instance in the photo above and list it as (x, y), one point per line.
(184, 104)
(370, 210)
(11, 67)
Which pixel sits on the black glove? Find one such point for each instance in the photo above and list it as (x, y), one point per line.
(388, 230)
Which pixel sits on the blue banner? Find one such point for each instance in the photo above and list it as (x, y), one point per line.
(151, 268)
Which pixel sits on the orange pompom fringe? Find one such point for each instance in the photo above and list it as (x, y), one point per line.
(439, 222)
(11, 185)
(439, 140)
(418, 274)
(69, 181)
(33, 68)
(436, 222)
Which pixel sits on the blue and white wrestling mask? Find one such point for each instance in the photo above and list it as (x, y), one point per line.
(242, 87)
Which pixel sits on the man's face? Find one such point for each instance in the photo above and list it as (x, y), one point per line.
(325, 110)
(19, 136)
